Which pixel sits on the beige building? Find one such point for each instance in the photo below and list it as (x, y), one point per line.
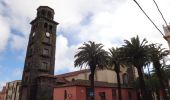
(127, 75)
(167, 34)
(12, 90)
(2, 93)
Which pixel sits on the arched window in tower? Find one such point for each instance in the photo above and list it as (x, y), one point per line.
(45, 25)
(49, 14)
(51, 27)
(125, 78)
(43, 12)
(26, 77)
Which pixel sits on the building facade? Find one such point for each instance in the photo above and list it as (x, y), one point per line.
(12, 90)
(40, 57)
(127, 75)
(80, 90)
(2, 93)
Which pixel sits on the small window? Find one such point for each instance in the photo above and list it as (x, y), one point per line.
(130, 95)
(45, 51)
(65, 94)
(51, 27)
(125, 79)
(114, 94)
(45, 25)
(73, 79)
(44, 66)
(43, 12)
(49, 14)
(102, 95)
(26, 79)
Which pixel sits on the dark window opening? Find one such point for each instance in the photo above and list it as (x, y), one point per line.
(114, 94)
(102, 95)
(65, 94)
(26, 78)
(125, 79)
(45, 25)
(43, 12)
(51, 27)
(130, 95)
(73, 79)
(49, 14)
(87, 93)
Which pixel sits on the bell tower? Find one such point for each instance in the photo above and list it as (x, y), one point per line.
(37, 79)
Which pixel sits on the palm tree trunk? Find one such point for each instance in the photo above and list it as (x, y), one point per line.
(117, 70)
(157, 94)
(157, 66)
(119, 87)
(92, 92)
(144, 92)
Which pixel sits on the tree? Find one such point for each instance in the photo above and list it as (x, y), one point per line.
(93, 55)
(115, 61)
(156, 54)
(137, 54)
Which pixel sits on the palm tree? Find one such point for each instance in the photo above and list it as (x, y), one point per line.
(115, 60)
(156, 54)
(93, 55)
(137, 54)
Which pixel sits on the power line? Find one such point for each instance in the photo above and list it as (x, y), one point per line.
(160, 13)
(148, 17)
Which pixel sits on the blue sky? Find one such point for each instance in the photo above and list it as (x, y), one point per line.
(105, 21)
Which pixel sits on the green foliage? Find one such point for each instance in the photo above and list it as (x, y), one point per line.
(91, 54)
(137, 52)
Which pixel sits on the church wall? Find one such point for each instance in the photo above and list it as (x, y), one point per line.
(80, 93)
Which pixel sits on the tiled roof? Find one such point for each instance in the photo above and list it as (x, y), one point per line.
(46, 75)
(86, 83)
(73, 73)
(61, 80)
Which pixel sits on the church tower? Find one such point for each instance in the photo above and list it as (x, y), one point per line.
(38, 74)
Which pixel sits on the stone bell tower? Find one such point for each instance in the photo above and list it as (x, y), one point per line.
(38, 74)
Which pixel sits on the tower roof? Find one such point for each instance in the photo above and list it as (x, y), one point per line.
(45, 7)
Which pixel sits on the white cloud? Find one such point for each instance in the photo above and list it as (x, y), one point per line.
(64, 55)
(4, 32)
(18, 42)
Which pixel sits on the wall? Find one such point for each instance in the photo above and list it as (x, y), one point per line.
(59, 93)
(12, 90)
(79, 93)
(102, 75)
(108, 93)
